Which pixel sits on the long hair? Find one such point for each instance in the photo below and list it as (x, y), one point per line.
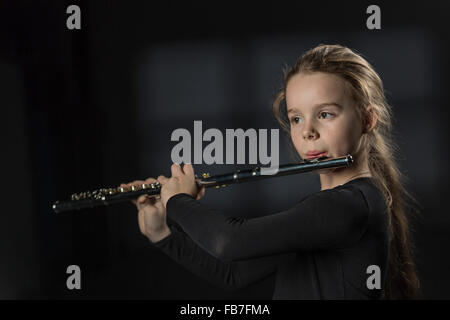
(366, 88)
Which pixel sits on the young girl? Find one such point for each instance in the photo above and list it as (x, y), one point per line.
(332, 244)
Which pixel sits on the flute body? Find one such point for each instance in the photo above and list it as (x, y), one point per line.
(108, 196)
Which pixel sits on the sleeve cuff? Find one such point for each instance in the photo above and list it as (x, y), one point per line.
(163, 241)
(175, 199)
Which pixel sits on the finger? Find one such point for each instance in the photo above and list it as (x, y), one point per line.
(136, 182)
(200, 193)
(141, 221)
(176, 170)
(142, 201)
(150, 180)
(128, 185)
(149, 200)
(159, 205)
(125, 185)
(188, 169)
(152, 199)
(162, 179)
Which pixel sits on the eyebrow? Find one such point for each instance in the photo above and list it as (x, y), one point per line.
(320, 105)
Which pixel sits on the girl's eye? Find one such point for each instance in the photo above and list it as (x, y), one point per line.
(325, 115)
(295, 120)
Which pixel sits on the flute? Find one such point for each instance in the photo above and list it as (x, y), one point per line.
(108, 196)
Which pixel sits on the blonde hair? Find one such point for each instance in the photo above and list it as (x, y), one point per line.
(366, 88)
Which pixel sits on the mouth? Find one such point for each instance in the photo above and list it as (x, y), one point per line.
(315, 154)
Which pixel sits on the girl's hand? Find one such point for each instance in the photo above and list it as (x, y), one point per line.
(151, 214)
(182, 181)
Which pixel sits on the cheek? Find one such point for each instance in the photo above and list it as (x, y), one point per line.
(296, 139)
(343, 140)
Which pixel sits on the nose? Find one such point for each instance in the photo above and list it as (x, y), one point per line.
(309, 132)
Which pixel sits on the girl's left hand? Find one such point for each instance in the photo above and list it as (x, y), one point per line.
(182, 181)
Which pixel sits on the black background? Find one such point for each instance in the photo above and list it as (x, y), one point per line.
(95, 107)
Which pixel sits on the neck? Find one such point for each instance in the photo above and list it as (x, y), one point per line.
(330, 180)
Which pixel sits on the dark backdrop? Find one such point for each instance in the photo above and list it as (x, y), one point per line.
(95, 107)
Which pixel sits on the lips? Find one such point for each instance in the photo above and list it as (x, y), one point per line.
(315, 154)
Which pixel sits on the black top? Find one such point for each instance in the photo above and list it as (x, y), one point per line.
(320, 248)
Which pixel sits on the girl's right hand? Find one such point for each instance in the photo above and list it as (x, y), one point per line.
(151, 213)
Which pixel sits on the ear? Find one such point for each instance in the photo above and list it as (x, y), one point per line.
(369, 119)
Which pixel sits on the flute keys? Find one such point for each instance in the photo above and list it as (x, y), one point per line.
(155, 185)
(124, 189)
(80, 196)
(136, 188)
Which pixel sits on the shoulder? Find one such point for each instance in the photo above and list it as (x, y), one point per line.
(370, 193)
(348, 196)
(358, 200)
(356, 203)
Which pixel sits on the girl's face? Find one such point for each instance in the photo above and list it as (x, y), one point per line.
(322, 115)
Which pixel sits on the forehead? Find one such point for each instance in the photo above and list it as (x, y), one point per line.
(305, 91)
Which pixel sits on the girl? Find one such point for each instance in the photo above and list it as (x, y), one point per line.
(330, 243)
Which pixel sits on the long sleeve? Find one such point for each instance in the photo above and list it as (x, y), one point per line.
(330, 219)
(226, 275)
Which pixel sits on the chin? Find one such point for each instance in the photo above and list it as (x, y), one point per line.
(325, 171)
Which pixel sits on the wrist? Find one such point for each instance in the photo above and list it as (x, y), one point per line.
(158, 235)
(176, 195)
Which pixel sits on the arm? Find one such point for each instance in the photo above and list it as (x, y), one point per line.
(177, 245)
(227, 275)
(326, 220)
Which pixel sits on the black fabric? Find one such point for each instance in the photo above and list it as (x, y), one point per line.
(320, 248)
